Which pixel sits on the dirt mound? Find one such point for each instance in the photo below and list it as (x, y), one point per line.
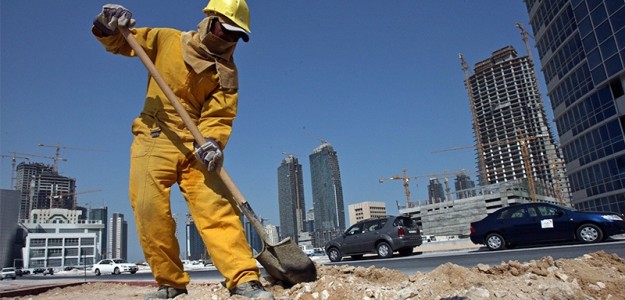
(593, 276)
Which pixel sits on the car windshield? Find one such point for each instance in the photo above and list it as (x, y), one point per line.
(119, 261)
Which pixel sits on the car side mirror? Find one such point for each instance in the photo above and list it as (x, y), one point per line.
(559, 213)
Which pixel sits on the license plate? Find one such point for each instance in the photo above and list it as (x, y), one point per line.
(412, 231)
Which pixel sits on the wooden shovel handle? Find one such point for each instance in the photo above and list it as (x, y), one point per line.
(188, 122)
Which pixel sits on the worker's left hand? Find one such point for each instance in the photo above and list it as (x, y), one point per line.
(210, 154)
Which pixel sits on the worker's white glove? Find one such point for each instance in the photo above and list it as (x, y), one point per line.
(210, 154)
(112, 16)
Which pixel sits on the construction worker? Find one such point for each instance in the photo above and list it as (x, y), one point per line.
(199, 68)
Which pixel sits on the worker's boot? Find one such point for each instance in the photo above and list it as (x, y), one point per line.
(251, 289)
(165, 292)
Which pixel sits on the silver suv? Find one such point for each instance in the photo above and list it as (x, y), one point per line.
(8, 273)
(381, 236)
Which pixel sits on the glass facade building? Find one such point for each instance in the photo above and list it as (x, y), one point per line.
(327, 190)
(291, 198)
(581, 44)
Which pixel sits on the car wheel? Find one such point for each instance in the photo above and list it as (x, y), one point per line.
(405, 251)
(334, 254)
(116, 271)
(132, 272)
(97, 272)
(589, 233)
(384, 250)
(495, 241)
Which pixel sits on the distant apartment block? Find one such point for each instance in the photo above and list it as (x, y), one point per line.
(365, 210)
(196, 250)
(581, 44)
(436, 192)
(118, 237)
(465, 187)
(101, 214)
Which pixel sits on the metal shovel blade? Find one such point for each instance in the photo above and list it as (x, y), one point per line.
(286, 262)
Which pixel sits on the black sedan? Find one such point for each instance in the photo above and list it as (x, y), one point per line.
(533, 223)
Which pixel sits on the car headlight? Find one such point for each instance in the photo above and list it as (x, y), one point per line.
(612, 217)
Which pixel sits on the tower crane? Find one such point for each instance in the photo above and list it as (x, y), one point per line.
(63, 195)
(14, 156)
(523, 141)
(406, 180)
(57, 155)
(476, 127)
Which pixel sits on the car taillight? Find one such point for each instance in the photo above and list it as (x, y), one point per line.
(472, 229)
(400, 231)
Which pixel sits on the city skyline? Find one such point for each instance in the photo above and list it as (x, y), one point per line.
(385, 92)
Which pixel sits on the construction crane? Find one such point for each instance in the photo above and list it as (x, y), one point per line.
(476, 128)
(14, 156)
(63, 195)
(57, 155)
(522, 140)
(525, 37)
(406, 180)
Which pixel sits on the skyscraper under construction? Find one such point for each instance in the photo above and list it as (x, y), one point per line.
(513, 138)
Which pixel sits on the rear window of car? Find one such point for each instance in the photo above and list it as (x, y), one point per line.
(405, 222)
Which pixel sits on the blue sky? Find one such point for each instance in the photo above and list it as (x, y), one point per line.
(381, 81)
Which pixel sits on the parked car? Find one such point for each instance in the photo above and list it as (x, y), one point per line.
(114, 266)
(534, 223)
(8, 273)
(48, 271)
(382, 236)
(38, 270)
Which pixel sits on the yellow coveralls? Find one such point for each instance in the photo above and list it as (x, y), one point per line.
(162, 155)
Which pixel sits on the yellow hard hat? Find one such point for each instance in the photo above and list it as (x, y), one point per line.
(235, 10)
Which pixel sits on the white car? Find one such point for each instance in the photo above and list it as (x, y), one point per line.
(8, 273)
(114, 266)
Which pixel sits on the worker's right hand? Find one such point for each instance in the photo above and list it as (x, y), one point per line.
(112, 16)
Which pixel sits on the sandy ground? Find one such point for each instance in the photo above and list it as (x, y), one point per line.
(596, 275)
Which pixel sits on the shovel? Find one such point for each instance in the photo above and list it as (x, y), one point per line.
(284, 261)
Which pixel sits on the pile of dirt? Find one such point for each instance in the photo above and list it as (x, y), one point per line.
(597, 275)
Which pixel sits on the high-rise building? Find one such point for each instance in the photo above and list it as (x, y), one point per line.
(327, 190)
(9, 207)
(101, 214)
(581, 44)
(291, 198)
(365, 210)
(43, 188)
(118, 237)
(465, 187)
(436, 193)
(196, 249)
(513, 136)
